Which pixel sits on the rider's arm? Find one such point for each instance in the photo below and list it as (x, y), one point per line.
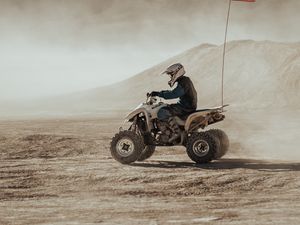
(175, 93)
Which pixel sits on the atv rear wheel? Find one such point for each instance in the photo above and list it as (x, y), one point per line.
(126, 147)
(224, 142)
(147, 152)
(201, 147)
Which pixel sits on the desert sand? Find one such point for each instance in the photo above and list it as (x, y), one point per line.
(56, 167)
(59, 171)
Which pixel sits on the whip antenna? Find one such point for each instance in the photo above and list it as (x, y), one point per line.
(224, 46)
(224, 51)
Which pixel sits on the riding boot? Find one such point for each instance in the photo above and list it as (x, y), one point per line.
(175, 128)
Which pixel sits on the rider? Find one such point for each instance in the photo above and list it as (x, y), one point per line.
(186, 93)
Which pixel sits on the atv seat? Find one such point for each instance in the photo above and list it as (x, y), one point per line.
(185, 116)
(197, 115)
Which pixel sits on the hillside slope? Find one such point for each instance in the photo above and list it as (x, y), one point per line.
(257, 75)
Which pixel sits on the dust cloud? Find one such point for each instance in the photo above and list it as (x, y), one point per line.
(55, 152)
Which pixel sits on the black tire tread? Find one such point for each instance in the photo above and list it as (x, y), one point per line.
(212, 141)
(138, 146)
(224, 142)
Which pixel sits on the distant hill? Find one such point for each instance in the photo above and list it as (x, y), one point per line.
(258, 74)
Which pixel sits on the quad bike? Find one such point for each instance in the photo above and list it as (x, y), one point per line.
(138, 143)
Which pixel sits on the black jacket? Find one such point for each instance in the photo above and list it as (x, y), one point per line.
(186, 93)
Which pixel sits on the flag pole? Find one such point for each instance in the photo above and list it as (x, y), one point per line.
(224, 51)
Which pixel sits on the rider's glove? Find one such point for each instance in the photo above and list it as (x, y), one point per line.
(154, 93)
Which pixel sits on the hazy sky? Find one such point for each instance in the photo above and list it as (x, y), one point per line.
(49, 47)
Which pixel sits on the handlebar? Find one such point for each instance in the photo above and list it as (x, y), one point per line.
(150, 99)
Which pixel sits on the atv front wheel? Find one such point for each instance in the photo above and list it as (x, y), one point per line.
(224, 142)
(126, 147)
(147, 152)
(201, 147)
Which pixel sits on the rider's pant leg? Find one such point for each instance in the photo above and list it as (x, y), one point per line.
(164, 114)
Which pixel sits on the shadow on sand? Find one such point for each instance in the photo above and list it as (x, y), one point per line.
(226, 164)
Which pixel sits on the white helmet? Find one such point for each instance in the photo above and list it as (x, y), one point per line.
(174, 71)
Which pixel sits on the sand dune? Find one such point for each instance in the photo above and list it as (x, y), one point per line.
(258, 74)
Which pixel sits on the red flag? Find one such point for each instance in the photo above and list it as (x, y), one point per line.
(244, 0)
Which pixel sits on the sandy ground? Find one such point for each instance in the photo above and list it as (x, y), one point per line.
(61, 172)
